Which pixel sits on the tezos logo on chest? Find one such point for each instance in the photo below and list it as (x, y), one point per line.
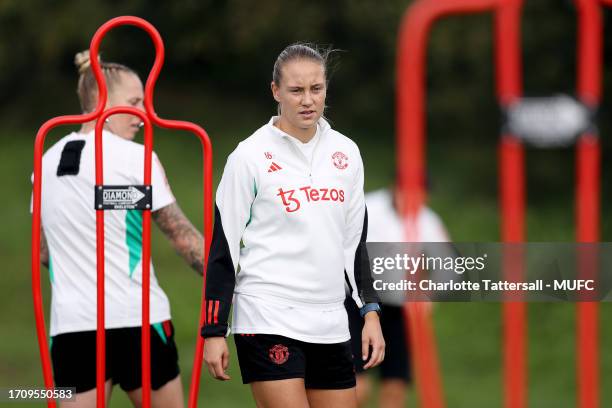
(292, 199)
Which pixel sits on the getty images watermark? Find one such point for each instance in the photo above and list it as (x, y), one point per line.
(533, 272)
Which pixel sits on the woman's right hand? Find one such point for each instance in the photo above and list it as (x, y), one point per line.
(216, 357)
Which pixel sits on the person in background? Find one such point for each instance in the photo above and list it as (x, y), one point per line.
(386, 225)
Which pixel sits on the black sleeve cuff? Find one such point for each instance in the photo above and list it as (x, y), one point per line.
(218, 330)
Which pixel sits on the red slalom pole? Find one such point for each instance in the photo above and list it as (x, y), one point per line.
(588, 181)
(411, 161)
(146, 258)
(512, 199)
(512, 202)
(587, 325)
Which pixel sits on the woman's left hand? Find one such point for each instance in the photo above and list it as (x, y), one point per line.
(372, 336)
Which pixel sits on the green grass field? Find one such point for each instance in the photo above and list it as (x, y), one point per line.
(468, 335)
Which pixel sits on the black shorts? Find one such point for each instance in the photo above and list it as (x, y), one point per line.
(268, 357)
(74, 358)
(396, 364)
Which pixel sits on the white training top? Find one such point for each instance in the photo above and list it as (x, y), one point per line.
(386, 225)
(69, 224)
(300, 220)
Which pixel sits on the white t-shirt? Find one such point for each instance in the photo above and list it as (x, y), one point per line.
(69, 224)
(386, 225)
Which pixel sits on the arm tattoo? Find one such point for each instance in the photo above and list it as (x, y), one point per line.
(184, 237)
(44, 249)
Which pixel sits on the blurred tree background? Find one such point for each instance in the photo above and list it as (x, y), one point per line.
(224, 50)
(219, 58)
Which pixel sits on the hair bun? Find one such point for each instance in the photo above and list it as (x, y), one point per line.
(82, 61)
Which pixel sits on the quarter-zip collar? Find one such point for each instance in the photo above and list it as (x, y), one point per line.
(322, 127)
(322, 124)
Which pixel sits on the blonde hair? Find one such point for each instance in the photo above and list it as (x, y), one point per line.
(87, 88)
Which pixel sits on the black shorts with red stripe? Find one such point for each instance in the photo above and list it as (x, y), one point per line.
(269, 357)
(74, 357)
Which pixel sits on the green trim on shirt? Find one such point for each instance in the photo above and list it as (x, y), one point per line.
(51, 275)
(251, 209)
(133, 237)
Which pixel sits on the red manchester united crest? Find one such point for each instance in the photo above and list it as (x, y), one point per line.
(340, 160)
(279, 354)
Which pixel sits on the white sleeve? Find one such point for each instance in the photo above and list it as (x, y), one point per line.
(235, 195)
(162, 194)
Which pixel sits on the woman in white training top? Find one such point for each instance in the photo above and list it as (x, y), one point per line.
(290, 230)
